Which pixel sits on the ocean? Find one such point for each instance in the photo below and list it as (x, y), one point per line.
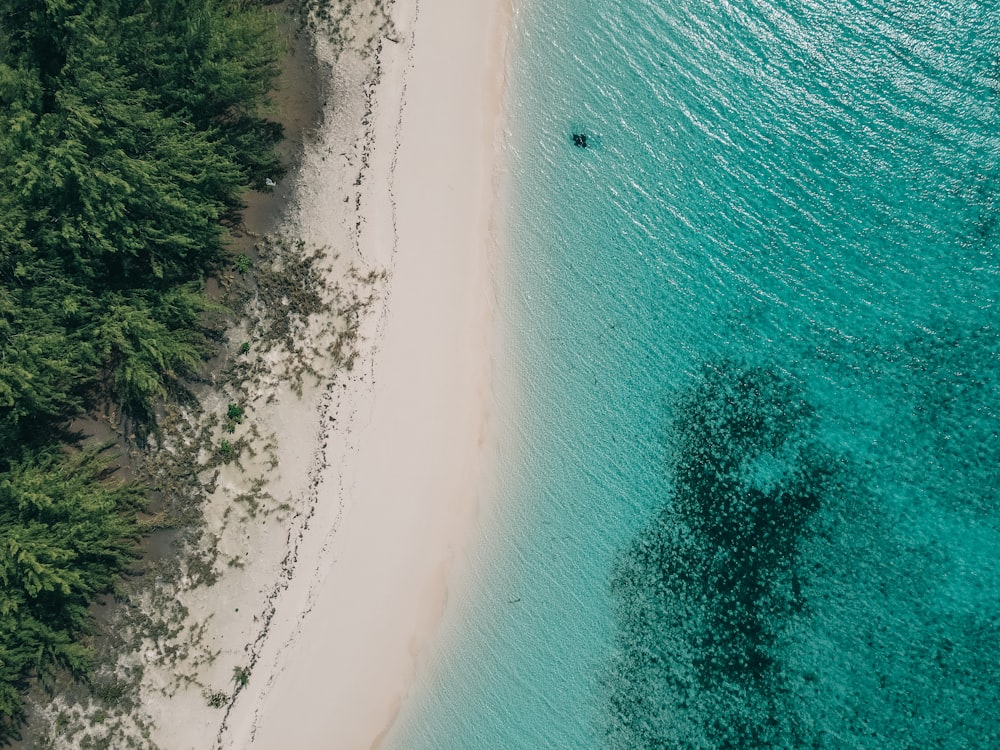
(749, 478)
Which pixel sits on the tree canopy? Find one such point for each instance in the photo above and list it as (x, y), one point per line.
(65, 534)
(128, 128)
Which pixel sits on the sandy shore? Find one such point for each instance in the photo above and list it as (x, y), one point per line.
(403, 450)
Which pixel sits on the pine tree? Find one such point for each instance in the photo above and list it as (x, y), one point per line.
(66, 534)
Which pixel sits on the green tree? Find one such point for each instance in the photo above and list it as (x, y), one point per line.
(43, 371)
(150, 343)
(66, 534)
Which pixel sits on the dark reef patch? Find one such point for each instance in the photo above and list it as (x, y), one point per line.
(786, 595)
(706, 591)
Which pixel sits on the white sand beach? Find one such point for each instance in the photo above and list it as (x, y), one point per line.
(410, 486)
(380, 469)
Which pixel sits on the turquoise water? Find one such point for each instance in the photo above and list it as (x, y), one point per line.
(749, 494)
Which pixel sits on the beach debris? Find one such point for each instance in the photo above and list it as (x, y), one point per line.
(580, 140)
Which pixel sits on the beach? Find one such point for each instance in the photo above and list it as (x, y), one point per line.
(319, 632)
(347, 638)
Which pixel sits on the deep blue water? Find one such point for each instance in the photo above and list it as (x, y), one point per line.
(749, 493)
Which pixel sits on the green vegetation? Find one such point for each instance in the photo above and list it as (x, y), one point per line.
(234, 413)
(243, 263)
(65, 533)
(128, 129)
(241, 676)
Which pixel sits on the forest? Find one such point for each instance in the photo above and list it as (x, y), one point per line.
(129, 130)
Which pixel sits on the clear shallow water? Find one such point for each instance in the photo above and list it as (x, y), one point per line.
(750, 496)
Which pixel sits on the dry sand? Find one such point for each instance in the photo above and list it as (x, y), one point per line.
(387, 463)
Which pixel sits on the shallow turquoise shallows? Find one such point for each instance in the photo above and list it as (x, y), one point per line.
(749, 491)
